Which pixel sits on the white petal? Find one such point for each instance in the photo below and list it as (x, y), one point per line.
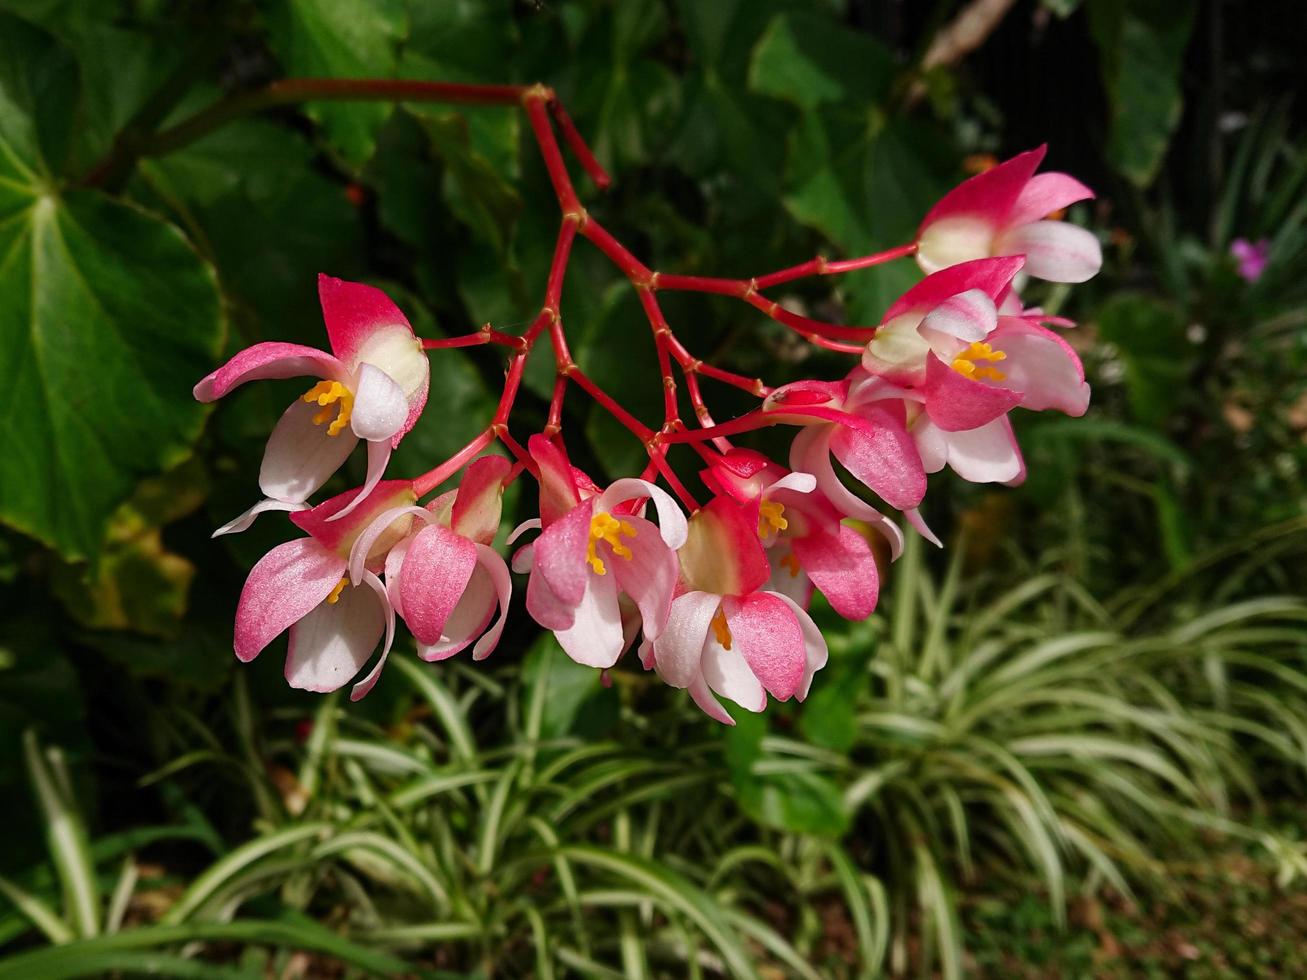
(241, 523)
(363, 687)
(333, 642)
(494, 564)
(679, 649)
(380, 407)
(798, 482)
(985, 455)
(301, 456)
(727, 673)
(378, 457)
(672, 524)
(1055, 250)
(595, 637)
(968, 316)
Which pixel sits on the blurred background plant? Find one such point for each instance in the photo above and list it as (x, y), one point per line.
(1013, 769)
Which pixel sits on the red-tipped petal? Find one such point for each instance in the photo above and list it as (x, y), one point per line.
(558, 493)
(842, 566)
(991, 276)
(769, 637)
(955, 403)
(283, 587)
(722, 553)
(436, 571)
(1044, 194)
(991, 195)
(354, 312)
(479, 503)
(270, 360)
(882, 455)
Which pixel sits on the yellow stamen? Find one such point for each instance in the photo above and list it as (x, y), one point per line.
(720, 628)
(965, 363)
(327, 394)
(791, 563)
(606, 527)
(770, 519)
(335, 593)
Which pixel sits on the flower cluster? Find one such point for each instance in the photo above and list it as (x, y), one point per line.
(714, 597)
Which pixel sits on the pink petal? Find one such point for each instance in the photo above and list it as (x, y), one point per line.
(1054, 250)
(954, 402)
(679, 649)
(434, 578)
(270, 360)
(242, 522)
(353, 313)
(990, 275)
(336, 535)
(544, 605)
(479, 503)
(560, 553)
(300, 456)
(595, 636)
(1044, 194)
(332, 643)
(648, 576)
(722, 553)
(503, 582)
(810, 452)
(394, 567)
(671, 519)
(814, 648)
(364, 687)
(557, 483)
(282, 588)
(918, 524)
(882, 455)
(523, 558)
(842, 566)
(469, 618)
(769, 637)
(1041, 366)
(703, 697)
(388, 525)
(991, 195)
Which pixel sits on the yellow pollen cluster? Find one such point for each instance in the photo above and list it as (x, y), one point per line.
(791, 563)
(965, 363)
(770, 519)
(606, 527)
(335, 593)
(720, 628)
(327, 394)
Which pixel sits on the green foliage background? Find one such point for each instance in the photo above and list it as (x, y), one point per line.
(1107, 665)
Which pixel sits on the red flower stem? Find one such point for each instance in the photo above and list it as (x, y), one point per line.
(512, 381)
(576, 143)
(622, 257)
(535, 99)
(486, 335)
(424, 484)
(745, 423)
(605, 401)
(805, 325)
(519, 452)
(662, 335)
(555, 420)
(835, 345)
(558, 267)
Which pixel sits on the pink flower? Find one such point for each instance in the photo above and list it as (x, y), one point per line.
(595, 548)
(442, 577)
(302, 586)
(802, 533)
(1252, 257)
(373, 387)
(1002, 212)
(726, 635)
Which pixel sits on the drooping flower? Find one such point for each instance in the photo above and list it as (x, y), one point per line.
(373, 387)
(803, 534)
(594, 548)
(302, 586)
(442, 577)
(726, 634)
(1005, 211)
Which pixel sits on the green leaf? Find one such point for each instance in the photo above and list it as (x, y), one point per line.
(1141, 45)
(571, 697)
(107, 317)
(342, 39)
(799, 802)
(811, 60)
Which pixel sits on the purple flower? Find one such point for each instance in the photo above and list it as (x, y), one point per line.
(1251, 256)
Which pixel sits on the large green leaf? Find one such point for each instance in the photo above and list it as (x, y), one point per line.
(342, 39)
(1141, 45)
(107, 317)
(810, 60)
(1150, 334)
